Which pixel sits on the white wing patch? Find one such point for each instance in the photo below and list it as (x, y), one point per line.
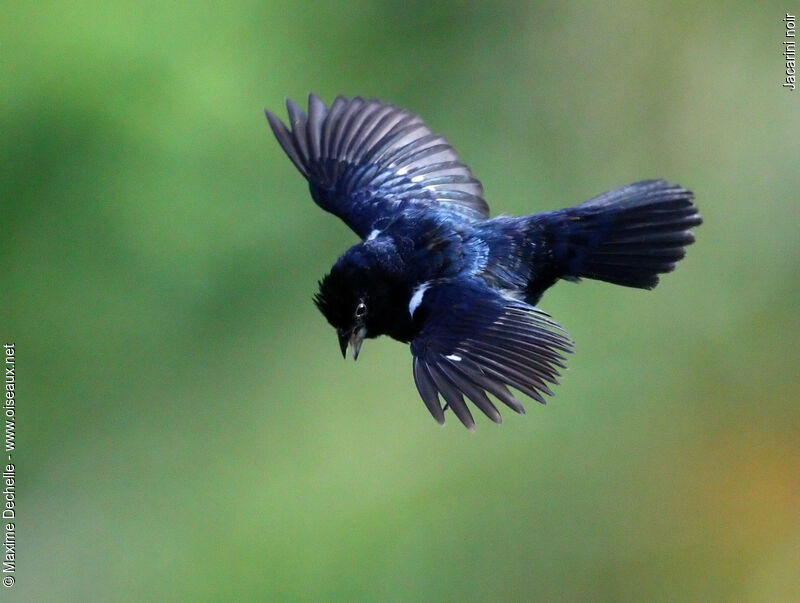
(454, 357)
(416, 298)
(373, 234)
(512, 294)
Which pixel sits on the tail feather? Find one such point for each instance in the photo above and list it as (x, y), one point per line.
(627, 236)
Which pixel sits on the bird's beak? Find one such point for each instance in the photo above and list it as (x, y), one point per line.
(355, 338)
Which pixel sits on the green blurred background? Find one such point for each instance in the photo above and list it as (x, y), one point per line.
(187, 427)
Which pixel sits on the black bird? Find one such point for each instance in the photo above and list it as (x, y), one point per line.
(434, 270)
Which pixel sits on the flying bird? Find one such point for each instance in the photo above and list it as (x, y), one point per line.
(434, 270)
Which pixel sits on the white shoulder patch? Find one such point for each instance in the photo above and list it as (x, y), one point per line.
(512, 294)
(416, 298)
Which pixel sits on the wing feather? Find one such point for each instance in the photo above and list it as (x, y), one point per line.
(452, 395)
(366, 160)
(286, 141)
(475, 342)
(297, 120)
(476, 375)
(317, 111)
(427, 390)
(471, 390)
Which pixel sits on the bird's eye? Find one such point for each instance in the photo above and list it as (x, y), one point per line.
(361, 310)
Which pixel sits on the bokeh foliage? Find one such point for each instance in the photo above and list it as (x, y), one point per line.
(187, 428)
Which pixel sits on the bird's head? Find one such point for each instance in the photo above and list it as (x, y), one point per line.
(362, 296)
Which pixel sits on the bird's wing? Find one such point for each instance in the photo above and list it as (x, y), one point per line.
(365, 160)
(474, 342)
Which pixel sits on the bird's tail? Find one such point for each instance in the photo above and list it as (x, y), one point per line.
(627, 236)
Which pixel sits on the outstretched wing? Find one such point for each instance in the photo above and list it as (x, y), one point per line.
(365, 160)
(475, 342)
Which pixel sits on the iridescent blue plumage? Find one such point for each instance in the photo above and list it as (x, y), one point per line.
(434, 270)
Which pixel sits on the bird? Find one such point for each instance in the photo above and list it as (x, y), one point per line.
(434, 271)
